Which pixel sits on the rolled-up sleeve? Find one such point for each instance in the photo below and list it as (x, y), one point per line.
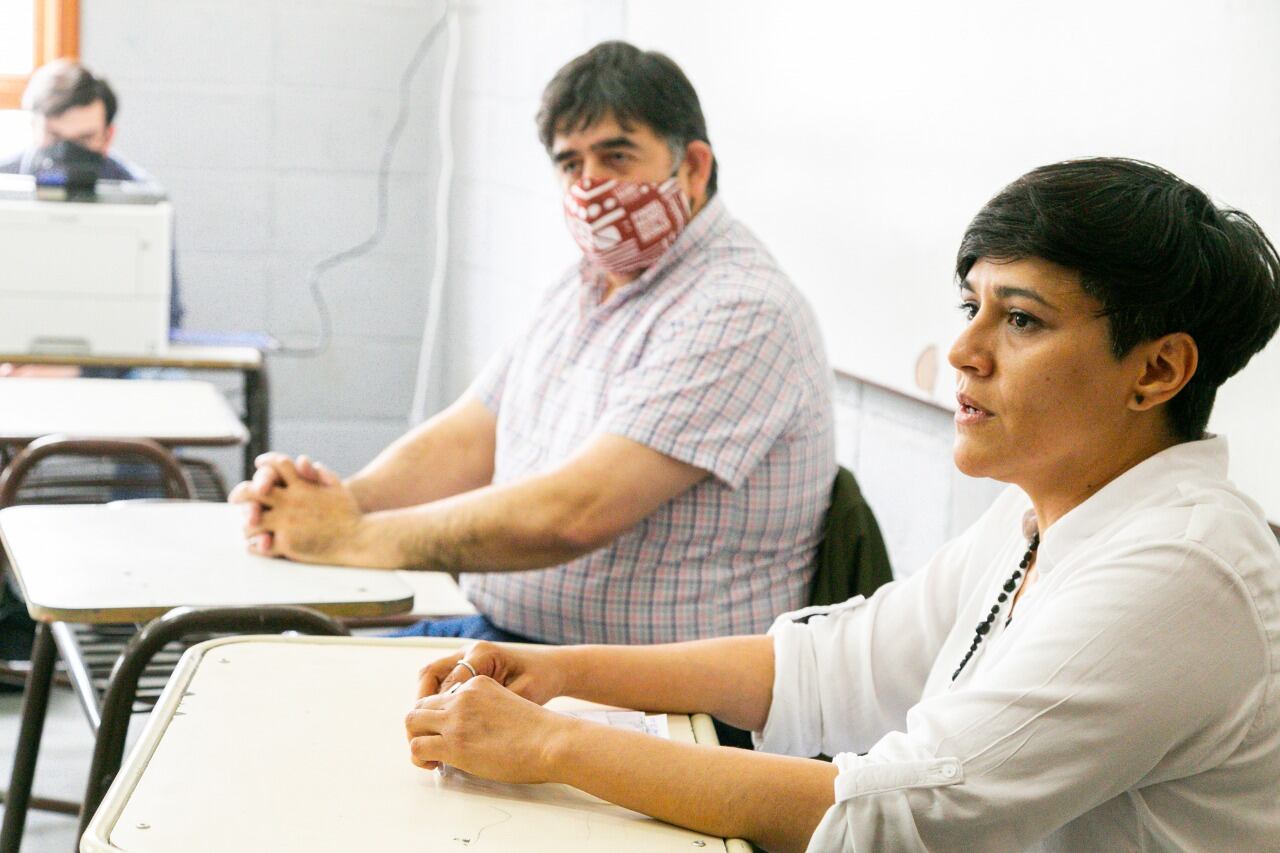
(847, 673)
(491, 381)
(1120, 679)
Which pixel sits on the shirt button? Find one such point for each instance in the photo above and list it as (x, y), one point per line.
(949, 771)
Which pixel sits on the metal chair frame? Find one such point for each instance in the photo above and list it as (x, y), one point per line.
(138, 673)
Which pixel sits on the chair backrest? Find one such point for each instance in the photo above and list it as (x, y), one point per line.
(852, 559)
(163, 473)
(207, 482)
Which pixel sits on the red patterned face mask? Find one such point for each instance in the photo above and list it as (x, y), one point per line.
(625, 226)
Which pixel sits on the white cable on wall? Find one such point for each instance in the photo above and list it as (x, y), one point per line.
(444, 187)
(316, 274)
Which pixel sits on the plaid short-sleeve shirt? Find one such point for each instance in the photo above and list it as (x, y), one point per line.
(711, 357)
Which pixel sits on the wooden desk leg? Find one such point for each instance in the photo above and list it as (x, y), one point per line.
(35, 705)
(257, 416)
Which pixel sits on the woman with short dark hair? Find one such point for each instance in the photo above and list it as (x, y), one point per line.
(1092, 666)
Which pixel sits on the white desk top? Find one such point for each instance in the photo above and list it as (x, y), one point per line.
(436, 594)
(172, 413)
(192, 356)
(134, 560)
(297, 744)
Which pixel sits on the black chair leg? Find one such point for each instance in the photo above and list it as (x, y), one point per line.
(35, 706)
(257, 416)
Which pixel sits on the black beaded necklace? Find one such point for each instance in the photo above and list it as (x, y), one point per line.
(1010, 588)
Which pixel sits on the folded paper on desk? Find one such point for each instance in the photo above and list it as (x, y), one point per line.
(632, 721)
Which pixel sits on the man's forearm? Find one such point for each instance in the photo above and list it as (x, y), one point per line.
(534, 522)
(450, 454)
(513, 527)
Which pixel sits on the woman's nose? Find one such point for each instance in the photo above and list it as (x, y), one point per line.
(971, 351)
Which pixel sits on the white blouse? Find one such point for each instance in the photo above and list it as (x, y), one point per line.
(1133, 703)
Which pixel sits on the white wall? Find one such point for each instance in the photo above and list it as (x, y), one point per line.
(15, 133)
(907, 116)
(900, 450)
(266, 120)
(511, 243)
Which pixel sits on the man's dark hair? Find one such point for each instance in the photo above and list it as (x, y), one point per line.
(1158, 255)
(62, 84)
(618, 79)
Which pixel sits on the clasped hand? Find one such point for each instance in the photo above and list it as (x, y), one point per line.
(492, 724)
(299, 510)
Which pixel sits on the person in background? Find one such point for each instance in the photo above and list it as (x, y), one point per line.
(1093, 665)
(652, 458)
(68, 104)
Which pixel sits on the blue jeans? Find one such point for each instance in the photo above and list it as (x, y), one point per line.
(476, 627)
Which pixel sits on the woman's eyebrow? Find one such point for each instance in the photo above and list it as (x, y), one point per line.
(1004, 292)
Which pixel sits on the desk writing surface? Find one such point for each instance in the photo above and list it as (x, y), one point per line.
(131, 561)
(298, 744)
(176, 355)
(436, 594)
(178, 412)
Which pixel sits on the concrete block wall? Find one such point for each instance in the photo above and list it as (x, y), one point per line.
(266, 120)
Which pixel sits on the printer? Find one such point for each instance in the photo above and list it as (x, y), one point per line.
(85, 277)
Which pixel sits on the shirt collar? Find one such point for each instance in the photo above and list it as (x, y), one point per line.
(1150, 480)
(707, 224)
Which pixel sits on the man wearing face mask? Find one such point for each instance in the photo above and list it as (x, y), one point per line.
(658, 442)
(73, 125)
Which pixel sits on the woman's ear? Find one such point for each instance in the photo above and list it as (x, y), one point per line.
(1168, 363)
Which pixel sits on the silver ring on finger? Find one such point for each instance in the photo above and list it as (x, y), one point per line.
(468, 666)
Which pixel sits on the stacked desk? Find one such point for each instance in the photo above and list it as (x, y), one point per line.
(130, 562)
(245, 360)
(171, 413)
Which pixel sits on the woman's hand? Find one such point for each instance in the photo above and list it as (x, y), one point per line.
(537, 674)
(483, 728)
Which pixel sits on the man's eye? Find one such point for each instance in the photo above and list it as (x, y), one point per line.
(968, 309)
